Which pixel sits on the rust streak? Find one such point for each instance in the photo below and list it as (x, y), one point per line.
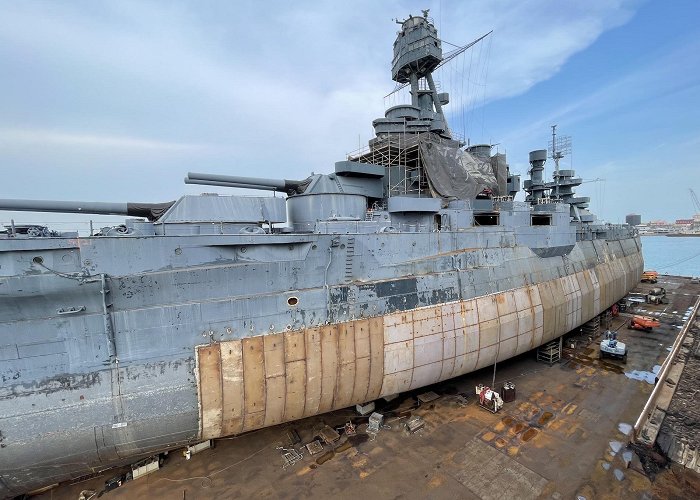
(210, 396)
(376, 375)
(313, 371)
(329, 366)
(232, 387)
(254, 383)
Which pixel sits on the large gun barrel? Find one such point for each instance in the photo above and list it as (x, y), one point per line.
(230, 184)
(243, 182)
(152, 211)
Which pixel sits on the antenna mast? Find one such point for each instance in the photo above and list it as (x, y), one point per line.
(558, 147)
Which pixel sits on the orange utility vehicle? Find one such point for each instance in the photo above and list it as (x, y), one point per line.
(645, 323)
(650, 277)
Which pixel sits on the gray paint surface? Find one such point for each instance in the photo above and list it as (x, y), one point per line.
(98, 334)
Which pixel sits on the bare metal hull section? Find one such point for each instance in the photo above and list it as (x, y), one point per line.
(261, 381)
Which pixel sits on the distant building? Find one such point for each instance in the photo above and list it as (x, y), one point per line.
(633, 219)
(684, 222)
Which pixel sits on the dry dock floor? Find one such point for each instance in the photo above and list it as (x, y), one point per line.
(564, 436)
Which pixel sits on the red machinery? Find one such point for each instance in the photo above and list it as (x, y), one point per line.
(489, 399)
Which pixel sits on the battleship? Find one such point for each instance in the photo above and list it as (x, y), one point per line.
(215, 315)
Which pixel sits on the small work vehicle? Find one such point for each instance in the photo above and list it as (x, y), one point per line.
(610, 347)
(657, 295)
(650, 277)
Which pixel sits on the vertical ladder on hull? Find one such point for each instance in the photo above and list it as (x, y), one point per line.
(550, 352)
(349, 256)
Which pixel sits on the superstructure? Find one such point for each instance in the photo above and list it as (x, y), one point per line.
(215, 315)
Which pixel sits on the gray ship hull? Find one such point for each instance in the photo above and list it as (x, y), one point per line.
(212, 315)
(226, 334)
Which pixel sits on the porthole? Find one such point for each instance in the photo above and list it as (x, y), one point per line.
(292, 301)
(38, 260)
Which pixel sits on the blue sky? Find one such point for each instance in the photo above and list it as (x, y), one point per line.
(116, 101)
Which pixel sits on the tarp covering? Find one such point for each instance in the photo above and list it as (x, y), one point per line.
(453, 173)
(152, 211)
(500, 170)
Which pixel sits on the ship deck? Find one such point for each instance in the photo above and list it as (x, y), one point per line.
(564, 435)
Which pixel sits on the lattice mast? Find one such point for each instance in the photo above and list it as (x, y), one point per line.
(562, 188)
(558, 147)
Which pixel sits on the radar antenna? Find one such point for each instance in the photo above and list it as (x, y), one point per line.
(558, 148)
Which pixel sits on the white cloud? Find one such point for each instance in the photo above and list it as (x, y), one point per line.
(532, 40)
(282, 88)
(650, 81)
(18, 138)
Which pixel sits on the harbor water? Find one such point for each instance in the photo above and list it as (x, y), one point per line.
(679, 256)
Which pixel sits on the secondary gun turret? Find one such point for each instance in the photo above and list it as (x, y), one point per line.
(152, 211)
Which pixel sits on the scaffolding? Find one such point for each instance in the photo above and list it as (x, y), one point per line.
(401, 155)
(550, 352)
